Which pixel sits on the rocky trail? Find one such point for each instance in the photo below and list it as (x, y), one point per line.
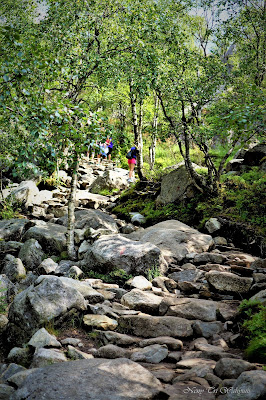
(173, 336)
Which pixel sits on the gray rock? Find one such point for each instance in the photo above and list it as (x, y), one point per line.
(10, 247)
(14, 268)
(142, 300)
(13, 229)
(76, 354)
(174, 239)
(189, 308)
(43, 357)
(228, 309)
(249, 385)
(228, 282)
(154, 354)
(207, 329)
(9, 370)
(260, 296)
(92, 295)
(20, 355)
(113, 351)
(6, 391)
(138, 219)
(214, 258)
(50, 236)
(3, 322)
(72, 341)
(116, 338)
(100, 379)
(25, 192)
(176, 184)
(31, 254)
(212, 225)
(99, 321)
(47, 266)
(117, 252)
(18, 378)
(94, 219)
(150, 326)
(190, 363)
(188, 391)
(187, 275)
(171, 343)
(43, 339)
(139, 282)
(231, 368)
(8, 289)
(44, 301)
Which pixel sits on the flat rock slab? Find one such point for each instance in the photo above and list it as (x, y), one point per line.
(101, 379)
(204, 310)
(228, 282)
(150, 326)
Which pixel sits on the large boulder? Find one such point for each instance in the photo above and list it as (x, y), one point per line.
(150, 326)
(95, 219)
(52, 237)
(111, 179)
(25, 192)
(176, 185)
(174, 239)
(112, 252)
(31, 254)
(13, 229)
(256, 155)
(46, 300)
(101, 379)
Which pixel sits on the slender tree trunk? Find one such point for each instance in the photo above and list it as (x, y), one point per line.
(154, 132)
(137, 129)
(71, 213)
(188, 162)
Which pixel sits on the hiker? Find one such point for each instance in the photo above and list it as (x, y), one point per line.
(132, 156)
(103, 151)
(109, 142)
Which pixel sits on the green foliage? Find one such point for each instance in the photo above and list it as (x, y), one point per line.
(153, 272)
(10, 208)
(50, 327)
(3, 304)
(117, 276)
(253, 322)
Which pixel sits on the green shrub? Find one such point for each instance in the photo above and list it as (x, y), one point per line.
(252, 315)
(256, 350)
(10, 208)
